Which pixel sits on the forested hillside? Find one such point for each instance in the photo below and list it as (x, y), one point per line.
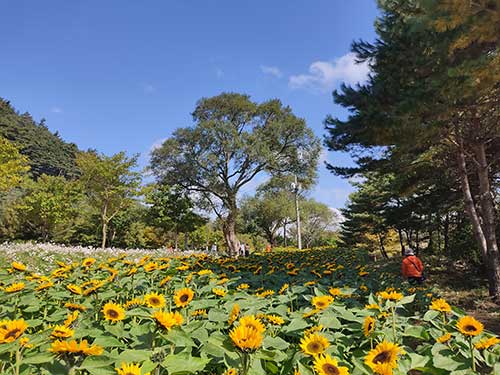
(46, 151)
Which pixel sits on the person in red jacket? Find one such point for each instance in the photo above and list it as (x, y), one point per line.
(412, 268)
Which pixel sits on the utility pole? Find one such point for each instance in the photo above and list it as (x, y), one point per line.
(296, 188)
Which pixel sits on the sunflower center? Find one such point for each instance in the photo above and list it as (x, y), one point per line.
(382, 357)
(113, 314)
(154, 301)
(12, 333)
(330, 369)
(470, 328)
(314, 347)
(184, 298)
(370, 326)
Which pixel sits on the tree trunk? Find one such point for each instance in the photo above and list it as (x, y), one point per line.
(284, 233)
(186, 241)
(401, 241)
(446, 234)
(104, 219)
(176, 239)
(229, 228)
(104, 233)
(229, 231)
(470, 208)
(488, 222)
(382, 248)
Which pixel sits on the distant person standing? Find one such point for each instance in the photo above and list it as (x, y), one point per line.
(213, 249)
(412, 268)
(247, 249)
(242, 249)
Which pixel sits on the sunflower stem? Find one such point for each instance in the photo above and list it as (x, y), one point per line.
(472, 355)
(394, 323)
(18, 361)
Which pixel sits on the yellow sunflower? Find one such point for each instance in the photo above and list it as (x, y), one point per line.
(235, 312)
(314, 344)
(391, 296)
(10, 330)
(18, 266)
(75, 306)
(183, 297)
(219, 292)
(283, 289)
(62, 332)
(275, 319)
(383, 358)
(231, 371)
(165, 280)
(14, 287)
(243, 286)
(469, 326)
(113, 312)
(154, 300)
(75, 347)
(129, 369)
(151, 266)
(246, 337)
(440, 305)
(326, 365)
(487, 342)
(369, 326)
(199, 313)
(70, 319)
(321, 302)
(335, 292)
(252, 322)
(87, 262)
(74, 288)
(444, 339)
(168, 319)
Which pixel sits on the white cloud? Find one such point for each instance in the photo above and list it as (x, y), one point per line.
(272, 70)
(323, 75)
(56, 110)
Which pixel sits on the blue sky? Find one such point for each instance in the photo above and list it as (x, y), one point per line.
(122, 75)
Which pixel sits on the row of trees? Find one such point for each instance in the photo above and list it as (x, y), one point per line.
(425, 132)
(91, 199)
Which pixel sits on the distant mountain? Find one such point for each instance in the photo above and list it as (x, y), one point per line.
(47, 152)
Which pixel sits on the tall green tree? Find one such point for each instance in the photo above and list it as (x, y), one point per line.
(430, 99)
(13, 166)
(110, 183)
(49, 207)
(317, 220)
(232, 141)
(173, 211)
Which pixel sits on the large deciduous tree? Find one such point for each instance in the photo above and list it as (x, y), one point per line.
(110, 183)
(231, 142)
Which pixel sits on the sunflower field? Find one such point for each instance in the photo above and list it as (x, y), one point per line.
(320, 312)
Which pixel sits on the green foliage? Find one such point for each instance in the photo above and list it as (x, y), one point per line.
(110, 184)
(49, 207)
(13, 166)
(172, 210)
(47, 152)
(232, 141)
